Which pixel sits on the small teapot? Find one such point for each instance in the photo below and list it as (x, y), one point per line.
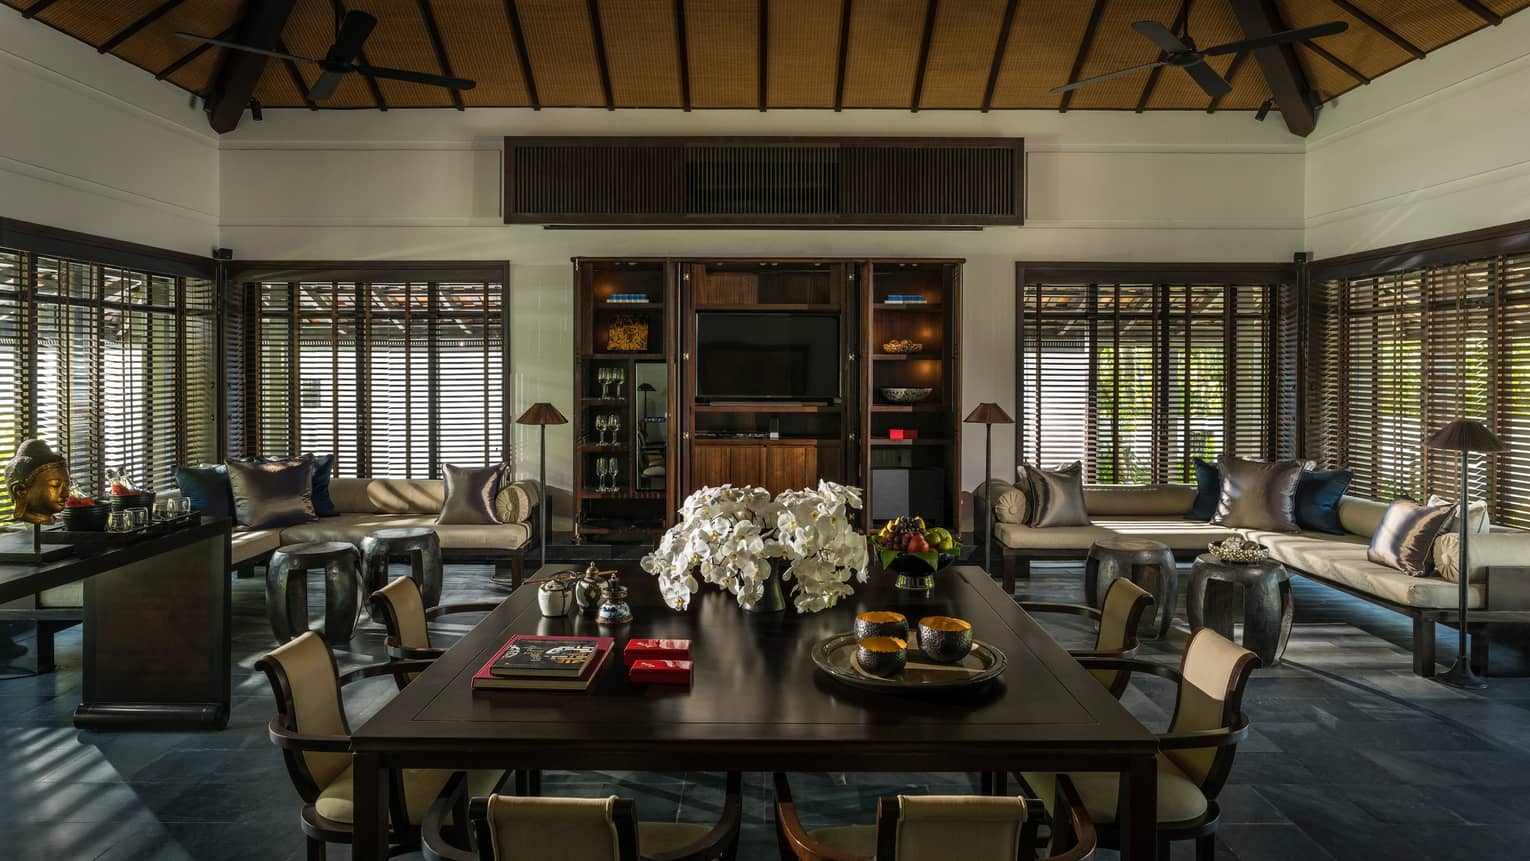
(555, 598)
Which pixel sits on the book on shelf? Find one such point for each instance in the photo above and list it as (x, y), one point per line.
(904, 299)
(532, 662)
(626, 298)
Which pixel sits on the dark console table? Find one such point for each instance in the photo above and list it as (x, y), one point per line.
(156, 643)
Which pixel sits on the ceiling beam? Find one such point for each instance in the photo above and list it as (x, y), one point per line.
(1337, 63)
(1152, 81)
(296, 76)
(35, 8)
(844, 50)
(931, 10)
(194, 53)
(1232, 72)
(428, 15)
(685, 58)
(377, 96)
(234, 84)
(514, 17)
(763, 68)
(1282, 70)
(132, 29)
(1381, 29)
(597, 35)
(1482, 12)
(998, 54)
(1084, 44)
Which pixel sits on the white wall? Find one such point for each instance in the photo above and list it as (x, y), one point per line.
(1436, 147)
(426, 185)
(90, 143)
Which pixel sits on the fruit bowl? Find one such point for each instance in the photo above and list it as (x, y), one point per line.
(914, 551)
(905, 395)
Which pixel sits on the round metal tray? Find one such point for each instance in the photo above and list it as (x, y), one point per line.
(836, 656)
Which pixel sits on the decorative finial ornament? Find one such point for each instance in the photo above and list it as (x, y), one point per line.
(38, 481)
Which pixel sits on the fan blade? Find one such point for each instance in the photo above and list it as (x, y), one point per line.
(1280, 38)
(1208, 79)
(325, 86)
(1107, 76)
(354, 31)
(246, 48)
(417, 77)
(1161, 36)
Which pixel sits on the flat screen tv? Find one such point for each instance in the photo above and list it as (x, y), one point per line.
(767, 356)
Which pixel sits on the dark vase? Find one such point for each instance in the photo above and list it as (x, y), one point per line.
(772, 600)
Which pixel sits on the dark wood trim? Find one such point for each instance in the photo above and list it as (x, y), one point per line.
(513, 15)
(241, 271)
(762, 68)
(1335, 61)
(684, 55)
(133, 29)
(194, 53)
(1380, 29)
(1152, 81)
(844, 51)
(1084, 44)
(597, 36)
(33, 10)
(932, 9)
(1192, 273)
(1511, 238)
(428, 15)
(296, 75)
(998, 54)
(43, 239)
(1482, 12)
(1281, 67)
(1233, 68)
(234, 83)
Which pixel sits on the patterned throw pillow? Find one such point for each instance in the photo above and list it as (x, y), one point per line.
(515, 500)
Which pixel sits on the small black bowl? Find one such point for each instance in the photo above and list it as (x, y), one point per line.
(141, 499)
(944, 639)
(882, 656)
(85, 518)
(881, 623)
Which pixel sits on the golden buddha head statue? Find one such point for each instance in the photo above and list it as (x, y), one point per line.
(38, 480)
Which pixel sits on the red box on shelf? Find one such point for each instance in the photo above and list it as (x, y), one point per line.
(673, 650)
(660, 672)
(902, 433)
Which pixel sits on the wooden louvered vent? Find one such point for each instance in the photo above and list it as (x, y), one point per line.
(764, 181)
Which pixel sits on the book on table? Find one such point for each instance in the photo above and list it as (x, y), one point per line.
(529, 661)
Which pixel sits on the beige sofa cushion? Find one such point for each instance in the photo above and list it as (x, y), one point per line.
(1178, 534)
(1009, 503)
(515, 501)
(1342, 559)
(351, 528)
(250, 543)
(1164, 501)
(1361, 516)
(388, 495)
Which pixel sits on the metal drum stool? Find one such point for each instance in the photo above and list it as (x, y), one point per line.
(1149, 564)
(422, 547)
(1267, 604)
(287, 589)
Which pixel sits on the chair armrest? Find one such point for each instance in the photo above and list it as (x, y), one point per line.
(795, 837)
(392, 668)
(1132, 666)
(1051, 607)
(471, 607)
(721, 840)
(1226, 736)
(397, 653)
(1074, 834)
(287, 739)
(1107, 654)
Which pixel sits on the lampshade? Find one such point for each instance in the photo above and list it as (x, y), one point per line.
(647, 387)
(541, 414)
(1466, 435)
(988, 413)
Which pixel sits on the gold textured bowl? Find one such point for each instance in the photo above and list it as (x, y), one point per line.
(882, 656)
(944, 639)
(881, 623)
(905, 394)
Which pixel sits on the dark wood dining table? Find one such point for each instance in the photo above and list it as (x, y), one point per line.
(757, 702)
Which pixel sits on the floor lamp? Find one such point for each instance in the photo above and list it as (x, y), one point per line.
(542, 415)
(1465, 436)
(988, 415)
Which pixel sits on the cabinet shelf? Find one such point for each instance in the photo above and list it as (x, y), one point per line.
(597, 449)
(926, 407)
(908, 442)
(611, 357)
(905, 357)
(628, 306)
(766, 307)
(591, 493)
(614, 402)
(935, 307)
(767, 408)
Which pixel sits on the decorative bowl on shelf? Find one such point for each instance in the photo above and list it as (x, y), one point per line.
(904, 394)
(1239, 550)
(85, 518)
(902, 345)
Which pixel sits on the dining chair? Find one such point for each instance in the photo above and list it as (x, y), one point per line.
(311, 729)
(512, 827)
(932, 827)
(1116, 627)
(1194, 756)
(401, 607)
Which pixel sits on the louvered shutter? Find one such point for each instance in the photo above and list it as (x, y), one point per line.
(398, 374)
(200, 355)
(13, 325)
(276, 357)
(1194, 377)
(1511, 392)
(469, 374)
(328, 381)
(1457, 302)
(1248, 407)
(1056, 366)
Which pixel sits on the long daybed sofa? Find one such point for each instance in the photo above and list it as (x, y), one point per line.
(1159, 512)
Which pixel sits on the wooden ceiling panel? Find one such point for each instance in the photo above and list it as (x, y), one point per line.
(481, 47)
(883, 56)
(1363, 48)
(1116, 46)
(309, 33)
(561, 46)
(722, 40)
(1042, 42)
(961, 53)
(802, 53)
(276, 89)
(1210, 23)
(642, 51)
(1426, 23)
(197, 74)
(148, 47)
(94, 21)
(404, 43)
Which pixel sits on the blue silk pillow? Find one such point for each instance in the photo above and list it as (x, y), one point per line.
(1317, 499)
(323, 466)
(1208, 489)
(208, 489)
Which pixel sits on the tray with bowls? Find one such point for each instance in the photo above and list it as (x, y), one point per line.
(86, 539)
(905, 394)
(837, 656)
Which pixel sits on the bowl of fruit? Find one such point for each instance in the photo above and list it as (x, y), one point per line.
(83, 514)
(915, 551)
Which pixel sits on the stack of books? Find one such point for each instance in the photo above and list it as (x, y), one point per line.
(904, 299)
(531, 662)
(626, 298)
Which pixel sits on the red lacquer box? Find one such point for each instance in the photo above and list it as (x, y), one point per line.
(902, 433)
(660, 672)
(673, 650)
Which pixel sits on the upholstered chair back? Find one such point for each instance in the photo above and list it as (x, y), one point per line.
(306, 684)
(1124, 604)
(929, 827)
(405, 610)
(572, 829)
(1215, 671)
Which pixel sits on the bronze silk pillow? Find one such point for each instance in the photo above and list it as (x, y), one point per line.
(1057, 496)
(1405, 538)
(1258, 495)
(272, 493)
(470, 493)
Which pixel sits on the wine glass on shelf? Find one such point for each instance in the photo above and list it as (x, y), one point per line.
(600, 428)
(621, 377)
(616, 428)
(613, 469)
(603, 376)
(600, 474)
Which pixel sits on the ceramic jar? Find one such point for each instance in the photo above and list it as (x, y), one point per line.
(555, 598)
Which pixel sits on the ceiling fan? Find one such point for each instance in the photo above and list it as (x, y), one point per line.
(1181, 52)
(340, 60)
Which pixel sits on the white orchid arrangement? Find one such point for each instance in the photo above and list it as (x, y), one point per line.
(729, 535)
